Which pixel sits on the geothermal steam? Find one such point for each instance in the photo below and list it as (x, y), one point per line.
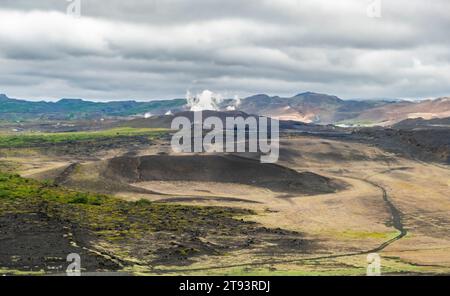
(207, 100)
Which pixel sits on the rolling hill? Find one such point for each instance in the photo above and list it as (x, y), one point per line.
(420, 123)
(68, 109)
(308, 107)
(305, 107)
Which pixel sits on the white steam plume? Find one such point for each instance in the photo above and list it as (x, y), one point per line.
(237, 101)
(207, 100)
(236, 104)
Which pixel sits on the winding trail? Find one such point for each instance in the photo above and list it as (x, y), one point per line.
(396, 217)
(396, 220)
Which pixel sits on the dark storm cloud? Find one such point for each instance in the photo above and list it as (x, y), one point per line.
(160, 48)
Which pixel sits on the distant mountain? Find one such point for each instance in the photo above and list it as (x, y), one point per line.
(327, 109)
(67, 109)
(305, 107)
(388, 115)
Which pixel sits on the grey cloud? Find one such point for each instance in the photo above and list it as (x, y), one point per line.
(159, 48)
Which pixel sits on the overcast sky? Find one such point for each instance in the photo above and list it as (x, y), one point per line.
(152, 49)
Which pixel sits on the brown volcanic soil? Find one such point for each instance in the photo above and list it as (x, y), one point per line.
(36, 234)
(422, 144)
(218, 168)
(36, 241)
(165, 121)
(420, 123)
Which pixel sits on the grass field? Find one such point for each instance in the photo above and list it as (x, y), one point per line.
(198, 228)
(103, 212)
(44, 223)
(33, 139)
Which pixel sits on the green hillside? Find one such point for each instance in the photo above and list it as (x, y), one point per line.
(67, 109)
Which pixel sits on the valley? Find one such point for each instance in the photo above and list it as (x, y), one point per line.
(329, 201)
(276, 140)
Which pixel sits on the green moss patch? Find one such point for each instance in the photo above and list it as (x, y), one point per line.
(127, 233)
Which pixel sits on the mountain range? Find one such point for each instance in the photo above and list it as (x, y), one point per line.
(306, 107)
(68, 109)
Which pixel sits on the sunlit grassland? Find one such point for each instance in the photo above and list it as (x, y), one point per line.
(32, 139)
(117, 223)
(103, 211)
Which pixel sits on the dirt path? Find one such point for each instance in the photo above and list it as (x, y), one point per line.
(396, 220)
(396, 215)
